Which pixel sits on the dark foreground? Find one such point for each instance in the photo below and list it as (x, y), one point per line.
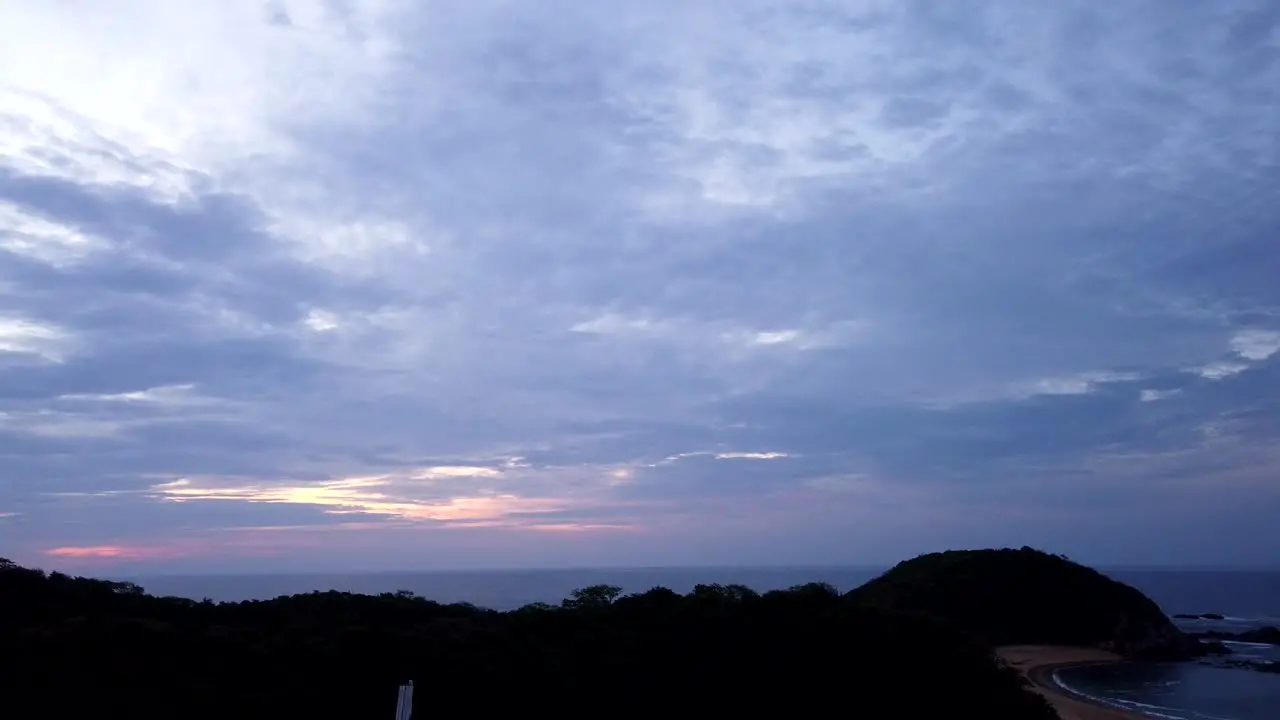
(79, 648)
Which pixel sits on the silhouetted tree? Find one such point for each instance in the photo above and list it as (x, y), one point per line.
(592, 597)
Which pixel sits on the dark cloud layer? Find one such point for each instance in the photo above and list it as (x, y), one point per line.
(733, 282)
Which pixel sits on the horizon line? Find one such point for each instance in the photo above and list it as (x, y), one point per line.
(1145, 567)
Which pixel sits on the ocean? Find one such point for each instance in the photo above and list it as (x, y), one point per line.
(1196, 690)
(1171, 691)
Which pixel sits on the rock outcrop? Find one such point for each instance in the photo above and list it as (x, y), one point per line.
(1264, 635)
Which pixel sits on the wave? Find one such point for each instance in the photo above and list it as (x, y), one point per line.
(1145, 709)
(1107, 702)
(1153, 711)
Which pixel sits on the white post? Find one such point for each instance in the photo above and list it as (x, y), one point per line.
(404, 705)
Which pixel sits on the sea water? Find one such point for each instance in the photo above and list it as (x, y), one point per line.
(1181, 691)
(1201, 690)
(1174, 691)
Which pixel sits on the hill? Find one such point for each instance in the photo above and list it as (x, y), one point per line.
(1029, 597)
(83, 648)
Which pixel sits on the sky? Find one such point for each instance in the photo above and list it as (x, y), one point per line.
(331, 285)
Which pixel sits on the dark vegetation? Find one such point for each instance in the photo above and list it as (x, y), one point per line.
(900, 646)
(1028, 597)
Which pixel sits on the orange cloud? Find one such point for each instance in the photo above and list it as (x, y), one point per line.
(117, 552)
(376, 495)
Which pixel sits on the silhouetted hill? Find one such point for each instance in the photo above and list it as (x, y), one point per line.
(81, 648)
(1027, 596)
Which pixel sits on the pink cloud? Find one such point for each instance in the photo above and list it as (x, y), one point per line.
(119, 552)
(567, 527)
(244, 544)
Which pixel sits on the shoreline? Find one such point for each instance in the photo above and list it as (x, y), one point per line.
(1038, 663)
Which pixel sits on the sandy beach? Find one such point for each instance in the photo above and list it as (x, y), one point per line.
(1037, 663)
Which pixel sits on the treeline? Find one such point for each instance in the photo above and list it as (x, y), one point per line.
(83, 648)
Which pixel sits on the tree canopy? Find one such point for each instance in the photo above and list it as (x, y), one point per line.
(84, 648)
(1027, 596)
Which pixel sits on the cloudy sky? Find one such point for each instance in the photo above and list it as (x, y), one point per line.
(341, 284)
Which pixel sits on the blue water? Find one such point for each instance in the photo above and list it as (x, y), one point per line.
(1186, 691)
(1181, 691)
(1197, 690)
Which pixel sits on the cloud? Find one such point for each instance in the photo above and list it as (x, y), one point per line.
(365, 268)
(1080, 384)
(1151, 395)
(1248, 349)
(114, 552)
(59, 425)
(458, 471)
(777, 337)
(1256, 345)
(321, 321)
(230, 102)
(24, 337)
(1224, 369)
(166, 395)
(378, 496)
(717, 335)
(37, 238)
